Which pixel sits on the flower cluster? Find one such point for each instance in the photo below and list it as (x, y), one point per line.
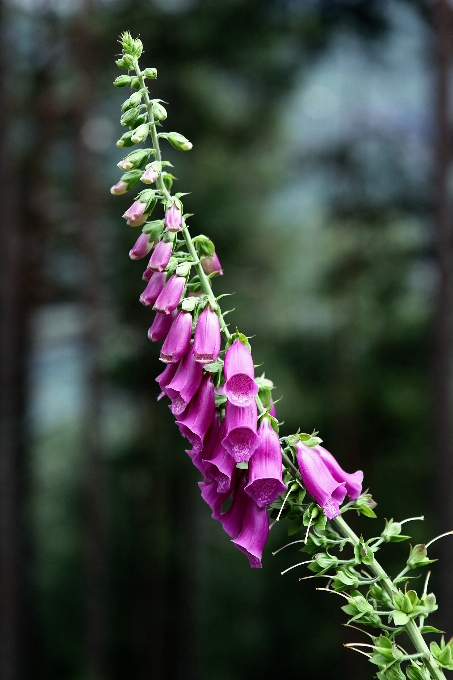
(221, 408)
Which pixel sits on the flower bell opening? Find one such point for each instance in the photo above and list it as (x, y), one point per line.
(240, 386)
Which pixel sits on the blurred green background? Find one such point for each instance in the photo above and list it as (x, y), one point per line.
(320, 169)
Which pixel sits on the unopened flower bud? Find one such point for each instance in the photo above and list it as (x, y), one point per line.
(153, 289)
(122, 81)
(211, 265)
(134, 160)
(178, 339)
(207, 340)
(125, 140)
(135, 215)
(126, 62)
(129, 117)
(135, 83)
(173, 218)
(171, 295)
(147, 274)
(119, 188)
(160, 326)
(150, 175)
(133, 100)
(159, 111)
(141, 247)
(161, 256)
(179, 141)
(140, 134)
(150, 73)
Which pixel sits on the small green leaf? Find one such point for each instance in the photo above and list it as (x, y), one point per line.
(430, 629)
(400, 618)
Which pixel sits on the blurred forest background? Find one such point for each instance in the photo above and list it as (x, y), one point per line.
(321, 169)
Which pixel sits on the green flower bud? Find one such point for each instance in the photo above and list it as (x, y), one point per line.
(125, 62)
(129, 117)
(179, 141)
(134, 159)
(140, 133)
(150, 73)
(140, 120)
(159, 111)
(135, 83)
(134, 99)
(122, 81)
(168, 180)
(418, 557)
(125, 140)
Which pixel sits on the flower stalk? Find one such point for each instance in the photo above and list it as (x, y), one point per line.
(228, 416)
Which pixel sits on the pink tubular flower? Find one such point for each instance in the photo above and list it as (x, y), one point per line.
(254, 533)
(149, 176)
(233, 518)
(153, 289)
(165, 378)
(199, 459)
(135, 215)
(160, 327)
(173, 218)
(318, 481)
(240, 386)
(119, 188)
(141, 248)
(353, 481)
(265, 467)
(147, 274)
(185, 384)
(212, 497)
(220, 465)
(195, 423)
(207, 341)
(171, 295)
(241, 439)
(211, 265)
(178, 339)
(161, 256)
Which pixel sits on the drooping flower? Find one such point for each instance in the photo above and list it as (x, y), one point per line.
(240, 386)
(220, 465)
(177, 341)
(199, 459)
(213, 498)
(135, 214)
(195, 422)
(161, 256)
(160, 326)
(240, 439)
(171, 295)
(254, 533)
(119, 188)
(353, 481)
(165, 378)
(185, 384)
(147, 274)
(153, 289)
(141, 248)
(265, 467)
(207, 340)
(317, 479)
(150, 175)
(173, 218)
(232, 520)
(211, 265)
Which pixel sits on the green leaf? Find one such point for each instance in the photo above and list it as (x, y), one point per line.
(295, 526)
(400, 618)
(430, 629)
(214, 366)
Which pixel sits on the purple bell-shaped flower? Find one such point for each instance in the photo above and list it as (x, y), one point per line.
(207, 340)
(353, 481)
(254, 533)
(161, 256)
(160, 326)
(185, 384)
(195, 422)
(177, 341)
(265, 467)
(240, 439)
(173, 218)
(171, 295)
(153, 289)
(317, 479)
(240, 386)
(141, 248)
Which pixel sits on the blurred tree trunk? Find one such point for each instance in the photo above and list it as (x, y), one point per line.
(443, 326)
(86, 57)
(13, 355)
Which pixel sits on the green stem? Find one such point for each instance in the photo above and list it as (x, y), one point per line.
(411, 628)
(205, 281)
